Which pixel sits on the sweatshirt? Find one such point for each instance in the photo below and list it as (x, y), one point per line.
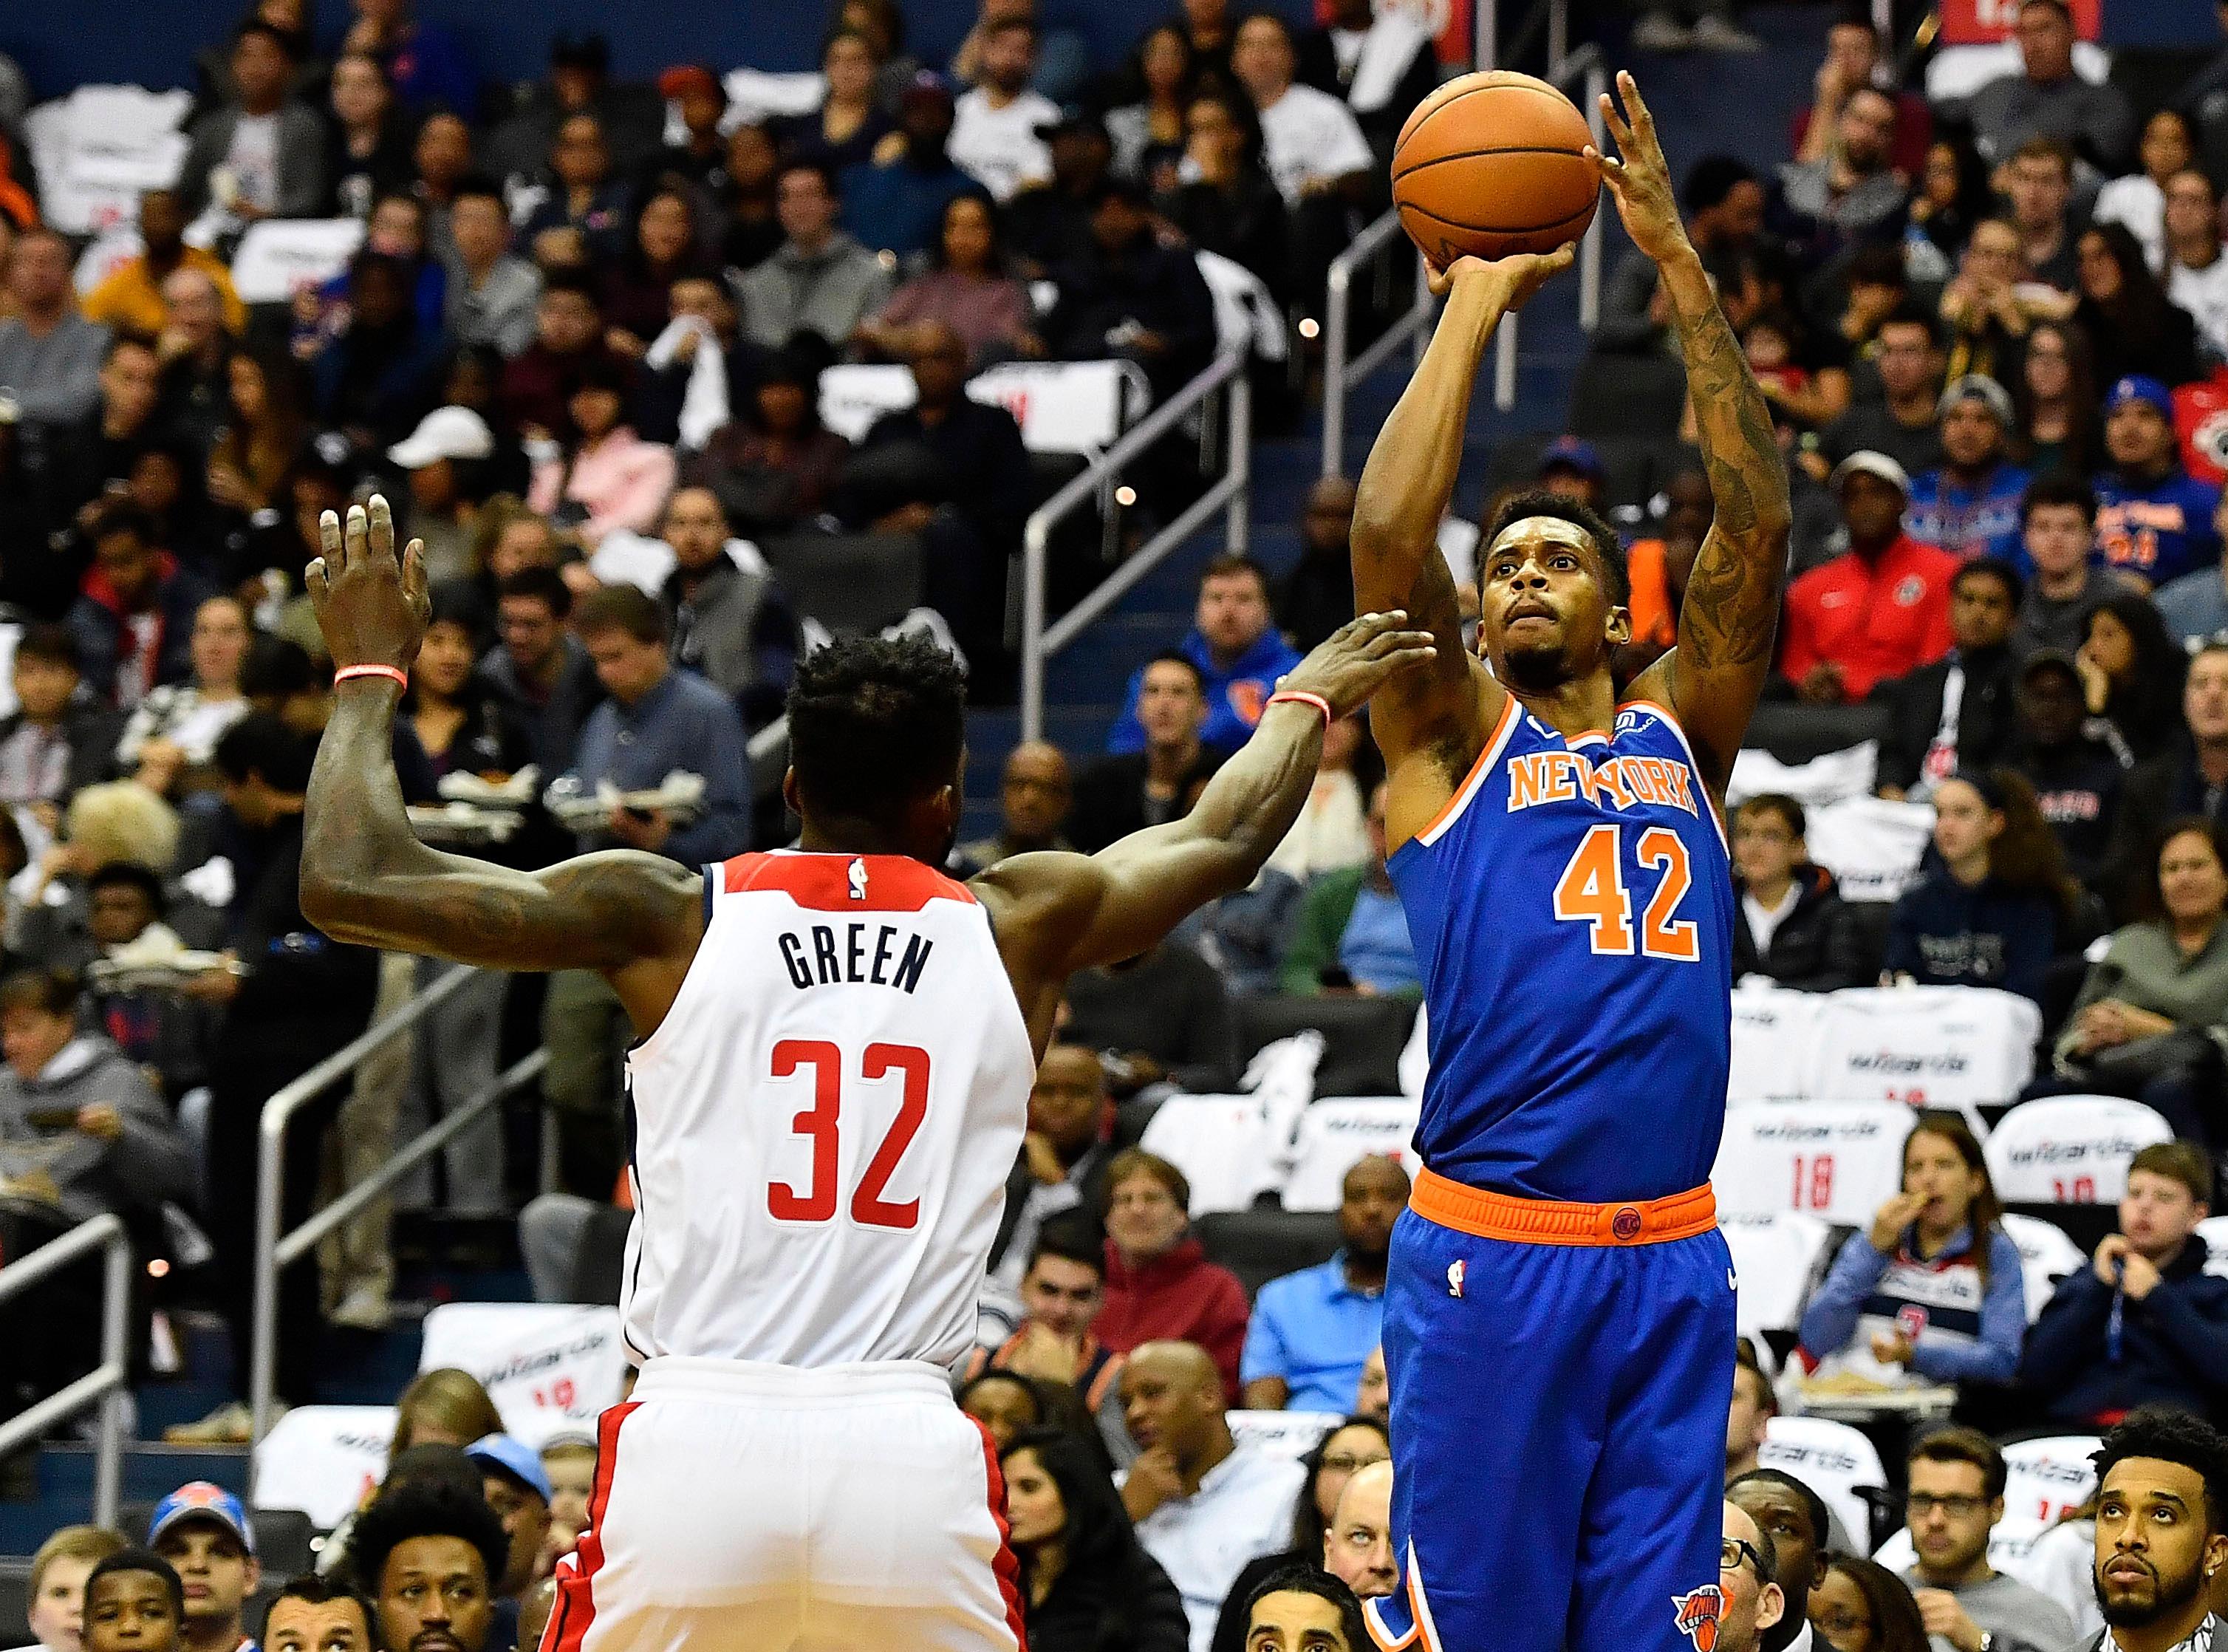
(2173, 1345)
(1968, 1330)
(1942, 934)
(1177, 1296)
(149, 1163)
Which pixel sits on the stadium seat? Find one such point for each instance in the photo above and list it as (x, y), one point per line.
(853, 584)
(2213, 1230)
(1872, 846)
(1960, 1047)
(1333, 1134)
(321, 1459)
(2084, 1226)
(2046, 1255)
(1223, 1145)
(1775, 1030)
(1778, 1260)
(2048, 1477)
(1825, 778)
(2069, 1149)
(1795, 732)
(1362, 1037)
(1628, 396)
(1835, 1460)
(1258, 1245)
(546, 1366)
(600, 1264)
(1838, 1160)
(1281, 1433)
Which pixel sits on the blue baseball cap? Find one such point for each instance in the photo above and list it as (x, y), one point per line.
(514, 1457)
(2140, 387)
(199, 1500)
(1573, 453)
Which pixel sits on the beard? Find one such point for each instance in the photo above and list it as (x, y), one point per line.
(2171, 1595)
(1536, 670)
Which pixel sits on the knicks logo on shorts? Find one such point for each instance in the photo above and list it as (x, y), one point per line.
(1698, 1611)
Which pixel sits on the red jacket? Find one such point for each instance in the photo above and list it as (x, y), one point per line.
(1876, 620)
(1178, 1297)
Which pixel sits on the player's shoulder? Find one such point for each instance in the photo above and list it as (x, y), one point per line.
(838, 882)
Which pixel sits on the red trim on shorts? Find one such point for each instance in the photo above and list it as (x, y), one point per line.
(1008, 1569)
(576, 1590)
(823, 881)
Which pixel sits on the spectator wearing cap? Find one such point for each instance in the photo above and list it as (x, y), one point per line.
(1237, 650)
(695, 92)
(897, 204)
(965, 287)
(2046, 97)
(2153, 519)
(1956, 712)
(1132, 297)
(492, 295)
(610, 478)
(1879, 611)
(444, 457)
(431, 1556)
(996, 121)
(1048, 224)
(819, 280)
(517, 1488)
(1970, 507)
(1572, 468)
(203, 1530)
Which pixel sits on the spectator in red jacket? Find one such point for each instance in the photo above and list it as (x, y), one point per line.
(1160, 1286)
(1881, 609)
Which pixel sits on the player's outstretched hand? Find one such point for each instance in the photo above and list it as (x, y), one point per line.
(372, 606)
(1639, 178)
(1359, 658)
(1520, 274)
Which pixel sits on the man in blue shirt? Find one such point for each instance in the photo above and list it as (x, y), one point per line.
(2153, 519)
(1311, 1331)
(1239, 653)
(1970, 507)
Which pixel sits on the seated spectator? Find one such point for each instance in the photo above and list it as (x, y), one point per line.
(1332, 833)
(2057, 515)
(699, 369)
(1358, 1542)
(995, 129)
(1354, 1446)
(264, 435)
(1794, 931)
(118, 1150)
(261, 155)
(1879, 611)
(1999, 906)
(2058, 407)
(1989, 306)
(1970, 506)
(1304, 1607)
(169, 742)
(819, 280)
(607, 478)
(569, 337)
(1955, 1499)
(2153, 519)
(1033, 798)
(50, 354)
(1936, 1257)
(431, 1556)
(446, 458)
(898, 202)
(1061, 1291)
(1797, 1520)
(1352, 933)
(134, 1603)
(1130, 298)
(1328, 58)
(1149, 135)
(541, 672)
(202, 1531)
(585, 197)
(849, 124)
(166, 1034)
(367, 146)
(1724, 203)
(694, 92)
(776, 465)
(1062, 1164)
(2038, 183)
(1312, 144)
(492, 297)
(2147, 1323)
(746, 197)
(116, 821)
(1749, 1605)
(1657, 570)
(1048, 224)
(1748, 1414)
(965, 288)
(379, 373)
(2131, 673)
(426, 63)
(1237, 650)
(2191, 776)
(1221, 199)
(1852, 194)
(1204, 1505)
(2196, 274)
(1859, 1605)
(1311, 1330)
(730, 623)
(1006, 1403)
(129, 299)
(1902, 424)
(517, 1489)
(2135, 327)
(311, 1614)
(401, 228)
(464, 728)
(1161, 1017)
(2045, 97)
(2081, 783)
(52, 745)
(2138, 200)
(1085, 1577)
(133, 621)
(1160, 1286)
(1117, 796)
(2155, 1549)
(1853, 59)
(663, 247)
(55, 1587)
(2141, 1026)
(1957, 712)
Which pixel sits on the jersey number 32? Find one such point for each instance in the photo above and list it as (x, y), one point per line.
(1591, 891)
(820, 1123)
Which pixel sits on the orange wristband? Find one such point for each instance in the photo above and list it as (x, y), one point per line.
(349, 673)
(1301, 696)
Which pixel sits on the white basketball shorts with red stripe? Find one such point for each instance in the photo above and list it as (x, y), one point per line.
(785, 1510)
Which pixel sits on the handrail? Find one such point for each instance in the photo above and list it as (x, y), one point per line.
(1589, 63)
(1039, 642)
(106, 1383)
(274, 1251)
(1340, 376)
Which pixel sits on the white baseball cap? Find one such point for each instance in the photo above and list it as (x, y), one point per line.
(1871, 462)
(444, 433)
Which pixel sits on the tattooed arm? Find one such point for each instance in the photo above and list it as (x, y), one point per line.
(1714, 677)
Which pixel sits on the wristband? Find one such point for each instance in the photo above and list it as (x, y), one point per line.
(349, 673)
(1301, 696)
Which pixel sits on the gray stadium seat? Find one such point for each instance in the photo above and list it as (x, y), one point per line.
(1258, 1245)
(852, 583)
(1362, 1037)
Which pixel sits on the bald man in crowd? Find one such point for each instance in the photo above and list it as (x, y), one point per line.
(1358, 1545)
(1033, 799)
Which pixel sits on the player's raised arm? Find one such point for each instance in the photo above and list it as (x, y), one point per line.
(1714, 676)
(366, 877)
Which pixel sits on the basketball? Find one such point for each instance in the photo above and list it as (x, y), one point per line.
(1491, 165)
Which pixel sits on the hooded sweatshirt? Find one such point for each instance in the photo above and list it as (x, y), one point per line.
(148, 1163)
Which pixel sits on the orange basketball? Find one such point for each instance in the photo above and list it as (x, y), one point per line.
(1494, 164)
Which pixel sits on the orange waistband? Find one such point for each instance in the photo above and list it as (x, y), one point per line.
(1545, 1221)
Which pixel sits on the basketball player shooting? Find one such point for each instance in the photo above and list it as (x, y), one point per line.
(837, 1046)
(1559, 1317)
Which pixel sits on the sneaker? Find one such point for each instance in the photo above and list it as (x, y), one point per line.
(1723, 34)
(363, 1308)
(230, 1424)
(1659, 31)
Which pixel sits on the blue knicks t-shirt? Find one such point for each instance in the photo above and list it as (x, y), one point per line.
(1572, 909)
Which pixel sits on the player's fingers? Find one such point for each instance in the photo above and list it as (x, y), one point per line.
(355, 534)
(1628, 89)
(1613, 119)
(414, 583)
(314, 580)
(379, 534)
(329, 535)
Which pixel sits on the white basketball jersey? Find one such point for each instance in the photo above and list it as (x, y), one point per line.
(825, 1120)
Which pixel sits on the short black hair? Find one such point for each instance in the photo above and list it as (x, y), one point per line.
(1071, 1237)
(626, 608)
(820, 168)
(125, 517)
(141, 1560)
(277, 37)
(1909, 314)
(1710, 180)
(423, 1509)
(1305, 1578)
(49, 990)
(542, 585)
(573, 280)
(260, 743)
(126, 339)
(1226, 563)
(2176, 1436)
(875, 722)
(128, 874)
(50, 643)
(1994, 568)
(278, 668)
(320, 1590)
(1821, 1518)
(1538, 502)
(2058, 488)
(480, 184)
(1173, 657)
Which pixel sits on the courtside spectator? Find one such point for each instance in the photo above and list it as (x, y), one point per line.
(606, 479)
(1204, 1505)
(2153, 519)
(1160, 781)
(1879, 611)
(1358, 1541)
(2131, 674)
(517, 1488)
(729, 621)
(2046, 97)
(2081, 783)
(1006, 1403)
(1997, 906)
(134, 1603)
(1161, 1289)
(1794, 929)
(1349, 1448)
(312, 1614)
(50, 355)
(1796, 1521)
(2135, 327)
(129, 298)
(1956, 1498)
(1970, 506)
(2162, 1485)
(1902, 423)
(203, 1530)
(430, 1555)
(2145, 1323)
(1033, 798)
(2057, 516)
(1859, 1605)
(1304, 1609)
(1749, 1603)
(55, 1587)
(1086, 1582)
(1060, 1293)
(1311, 1330)
(1237, 650)
(1351, 934)
(1957, 712)
(996, 123)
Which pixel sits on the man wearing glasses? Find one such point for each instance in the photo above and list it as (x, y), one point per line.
(1956, 1497)
(1748, 1599)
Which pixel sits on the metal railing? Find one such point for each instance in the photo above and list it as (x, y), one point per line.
(1586, 65)
(104, 1384)
(1340, 374)
(1040, 642)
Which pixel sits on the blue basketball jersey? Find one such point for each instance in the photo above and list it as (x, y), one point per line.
(1572, 909)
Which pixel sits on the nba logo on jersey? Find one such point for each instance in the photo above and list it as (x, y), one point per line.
(1698, 1611)
(1455, 1270)
(858, 880)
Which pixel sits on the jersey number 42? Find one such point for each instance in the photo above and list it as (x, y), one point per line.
(1591, 891)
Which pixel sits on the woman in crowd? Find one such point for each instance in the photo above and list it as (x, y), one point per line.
(2131, 674)
(747, 198)
(2055, 403)
(775, 465)
(170, 739)
(2139, 200)
(1953, 196)
(367, 153)
(1859, 1605)
(1938, 1246)
(611, 478)
(463, 729)
(2124, 307)
(848, 125)
(1338, 1456)
(2145, 1021)
(1087, 1585)
(1794, 931)
(1230, 207)
(966, 287)
(1998, 906)
(1160, 1286)
(258, 446)
(1332, 832)
(1149, 135)
(638, 291)
(1007, 1404)
(443, 1407)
